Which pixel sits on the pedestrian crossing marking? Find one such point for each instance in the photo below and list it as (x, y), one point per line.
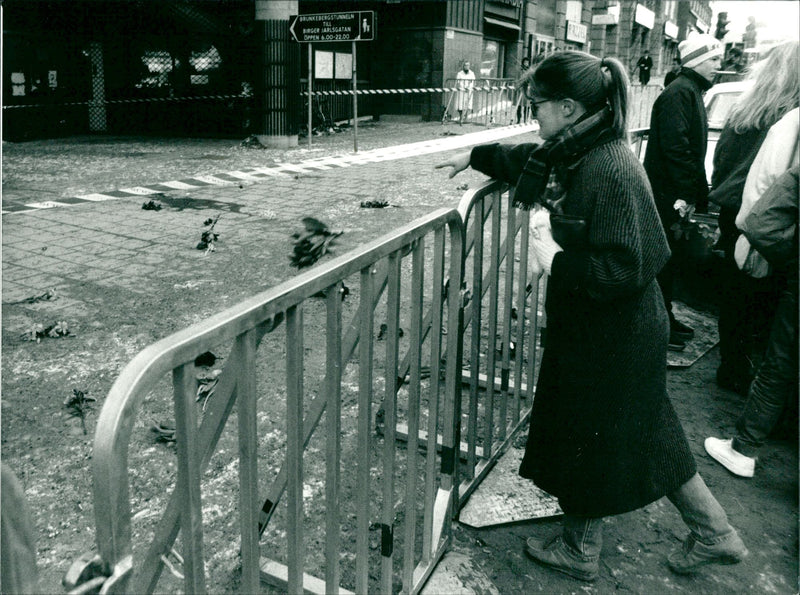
(142, 190)
(95, 197)
(258, 174)
(177, 185)
(214, 180)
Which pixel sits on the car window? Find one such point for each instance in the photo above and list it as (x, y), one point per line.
(719, 107)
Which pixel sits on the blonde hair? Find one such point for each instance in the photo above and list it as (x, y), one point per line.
(775, 90)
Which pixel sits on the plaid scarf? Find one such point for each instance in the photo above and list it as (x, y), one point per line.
(538, 183)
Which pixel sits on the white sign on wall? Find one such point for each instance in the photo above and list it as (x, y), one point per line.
(610, 18)
(574, 9)
(344, 66)
(576, 32)
(644, 16)
(323, 65)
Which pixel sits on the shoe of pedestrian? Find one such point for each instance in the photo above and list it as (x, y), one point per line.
(676, 343)
(722, 452)
(681, 331)
(693, 555)
(556, 554)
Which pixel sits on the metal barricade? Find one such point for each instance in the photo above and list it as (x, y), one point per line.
(490, 101)
(501, 327)
(485, 303)
(638, 141)
(640, 103)
(414, 521)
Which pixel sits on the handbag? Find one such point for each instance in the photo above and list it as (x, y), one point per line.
(569, 230)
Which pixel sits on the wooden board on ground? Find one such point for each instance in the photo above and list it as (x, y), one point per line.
(505, 497)
(706, 336)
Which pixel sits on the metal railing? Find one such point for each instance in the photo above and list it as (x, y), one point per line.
(490, 101)
(640, 104)
(501, 326)
(373, 491)
(459, 441)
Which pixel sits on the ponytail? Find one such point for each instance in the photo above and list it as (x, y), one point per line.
(615, 84)
(593, 82)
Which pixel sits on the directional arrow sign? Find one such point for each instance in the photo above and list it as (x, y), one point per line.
(358, 25)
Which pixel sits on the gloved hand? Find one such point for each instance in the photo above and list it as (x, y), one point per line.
(544, 246)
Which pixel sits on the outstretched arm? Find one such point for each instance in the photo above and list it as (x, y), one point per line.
(458, 162)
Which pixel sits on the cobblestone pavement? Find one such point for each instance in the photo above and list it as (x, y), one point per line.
(105, 237)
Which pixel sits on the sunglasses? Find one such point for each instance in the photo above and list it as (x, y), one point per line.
(535, 104)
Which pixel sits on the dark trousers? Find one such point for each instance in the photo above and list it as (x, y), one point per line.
(776, 380)
(746, 311)
(644, 76)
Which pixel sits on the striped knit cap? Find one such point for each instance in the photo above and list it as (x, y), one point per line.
(697, 49)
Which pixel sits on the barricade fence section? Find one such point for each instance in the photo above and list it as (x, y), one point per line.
(305, 376)
(640, 104)
(502, 322)
(353, 447)
(482, 101)
(638, 139)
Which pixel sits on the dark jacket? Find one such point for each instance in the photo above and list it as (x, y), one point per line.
(733, 157)
(676, 145)
(604, 437)
(771, 225)
(644, 63)
(671, 75)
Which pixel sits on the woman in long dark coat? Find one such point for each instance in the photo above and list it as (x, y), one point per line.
(604, 437)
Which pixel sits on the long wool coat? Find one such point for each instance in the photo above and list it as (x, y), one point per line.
(604, 437)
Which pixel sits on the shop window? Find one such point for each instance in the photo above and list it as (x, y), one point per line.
(492, 58)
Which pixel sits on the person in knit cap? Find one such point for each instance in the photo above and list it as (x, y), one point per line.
(676, 152)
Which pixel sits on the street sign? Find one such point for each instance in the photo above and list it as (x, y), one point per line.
(357, 25)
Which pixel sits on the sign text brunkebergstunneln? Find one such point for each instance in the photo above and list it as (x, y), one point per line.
(333, 26)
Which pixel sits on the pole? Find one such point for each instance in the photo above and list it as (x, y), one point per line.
(355, 103)
(310, 88)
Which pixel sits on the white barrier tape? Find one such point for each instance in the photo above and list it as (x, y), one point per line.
(480, 89)
(95, 103)
(487, 88)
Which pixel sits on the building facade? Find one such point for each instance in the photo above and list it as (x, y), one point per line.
(214, 66)
(625, 28)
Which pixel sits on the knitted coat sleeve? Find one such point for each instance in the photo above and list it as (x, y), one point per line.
(501, 162)
(627, 246)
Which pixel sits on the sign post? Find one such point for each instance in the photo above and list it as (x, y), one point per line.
(310, 89)
(357, 25)
(355, 103)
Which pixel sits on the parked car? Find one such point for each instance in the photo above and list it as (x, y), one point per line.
(719, 100)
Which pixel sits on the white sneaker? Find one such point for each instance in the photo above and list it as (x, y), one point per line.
(722, 451)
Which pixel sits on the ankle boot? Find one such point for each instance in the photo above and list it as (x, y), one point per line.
(556, 554)
(694, 554)
(575, 552)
